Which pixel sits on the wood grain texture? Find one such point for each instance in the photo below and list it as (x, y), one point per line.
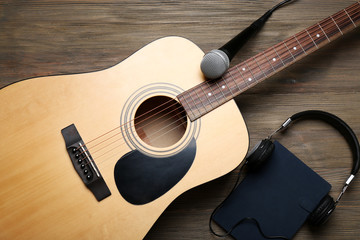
(39, 38)
(38, 182)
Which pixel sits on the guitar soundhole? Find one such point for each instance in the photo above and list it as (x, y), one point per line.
(160, 121)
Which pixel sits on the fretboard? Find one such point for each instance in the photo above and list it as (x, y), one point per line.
(209, 95)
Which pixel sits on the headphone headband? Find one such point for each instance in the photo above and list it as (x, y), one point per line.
(342, 127)
(338, 124)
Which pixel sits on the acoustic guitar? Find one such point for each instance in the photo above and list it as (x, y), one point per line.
(101, 155)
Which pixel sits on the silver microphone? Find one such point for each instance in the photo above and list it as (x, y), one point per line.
(216, 62)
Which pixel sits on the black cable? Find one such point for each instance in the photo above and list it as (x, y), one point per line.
(233, 46)
(261, 21)
(241, 220)
(280, 5)
(222, 203)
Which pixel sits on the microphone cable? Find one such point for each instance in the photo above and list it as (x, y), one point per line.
(217, 61)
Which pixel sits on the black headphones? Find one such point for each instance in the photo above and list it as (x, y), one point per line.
(263, 150)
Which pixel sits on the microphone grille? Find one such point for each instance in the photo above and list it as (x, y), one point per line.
(214, 64)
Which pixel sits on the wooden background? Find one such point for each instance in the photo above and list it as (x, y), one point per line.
(43, 37)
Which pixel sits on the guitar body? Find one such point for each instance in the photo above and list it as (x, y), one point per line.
(41, 194)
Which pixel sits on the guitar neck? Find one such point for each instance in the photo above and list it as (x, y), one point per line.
(209, 95)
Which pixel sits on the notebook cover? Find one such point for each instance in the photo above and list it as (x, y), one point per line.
(280, 196)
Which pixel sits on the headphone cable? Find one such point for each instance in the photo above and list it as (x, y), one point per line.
(241, 220)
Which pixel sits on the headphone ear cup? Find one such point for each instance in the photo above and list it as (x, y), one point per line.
(259, 154)
(322, 212)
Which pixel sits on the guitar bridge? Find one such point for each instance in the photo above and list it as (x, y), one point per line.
(84, 163)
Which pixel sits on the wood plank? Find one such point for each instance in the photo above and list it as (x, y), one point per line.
(39, 38)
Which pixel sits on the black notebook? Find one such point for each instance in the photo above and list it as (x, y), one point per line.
(280, 196)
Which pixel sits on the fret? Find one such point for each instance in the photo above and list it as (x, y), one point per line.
(336, 25)
(285, 53)
(343, 21)
(317, 35)
(306, 41)
(354, 12)
(210, 94)
(295, 48)
(244, 80)
(206, 97)
(323, 32)
(329, 28)
(288, 50)
(282, 53)
(300, 44)
(221, 84)
(259, 67)
(217, 92)
(187, 106)
(227, 86)
(312, 39)
(272, 58)
(350, 18)
(229, 76)
(278, 57)
(202, 102)
(265, 65)
(255, 69)
(252, 77)
(221, 90)
(233, 79)
(263, 53)
(196, 104)
(214, 92)
(199, 103)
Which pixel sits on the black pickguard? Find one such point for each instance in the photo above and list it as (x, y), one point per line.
(141, 179)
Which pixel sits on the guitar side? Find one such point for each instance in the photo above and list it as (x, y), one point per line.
(42, 196)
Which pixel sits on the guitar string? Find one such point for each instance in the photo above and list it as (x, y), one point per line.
(170, 129)
(142, 127)
(87, 149)
(300, 36)
(281, 53)
(329, 21)
(330, 30)
(158, 106)
(155, 138)
(166, 132)
(127, 122)
(130, 126)
(253, 66)
(167, 113)
(282, 48)
(98, 163)
(122, 143)
(286, 57)
(153, 134)
(182, 111)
